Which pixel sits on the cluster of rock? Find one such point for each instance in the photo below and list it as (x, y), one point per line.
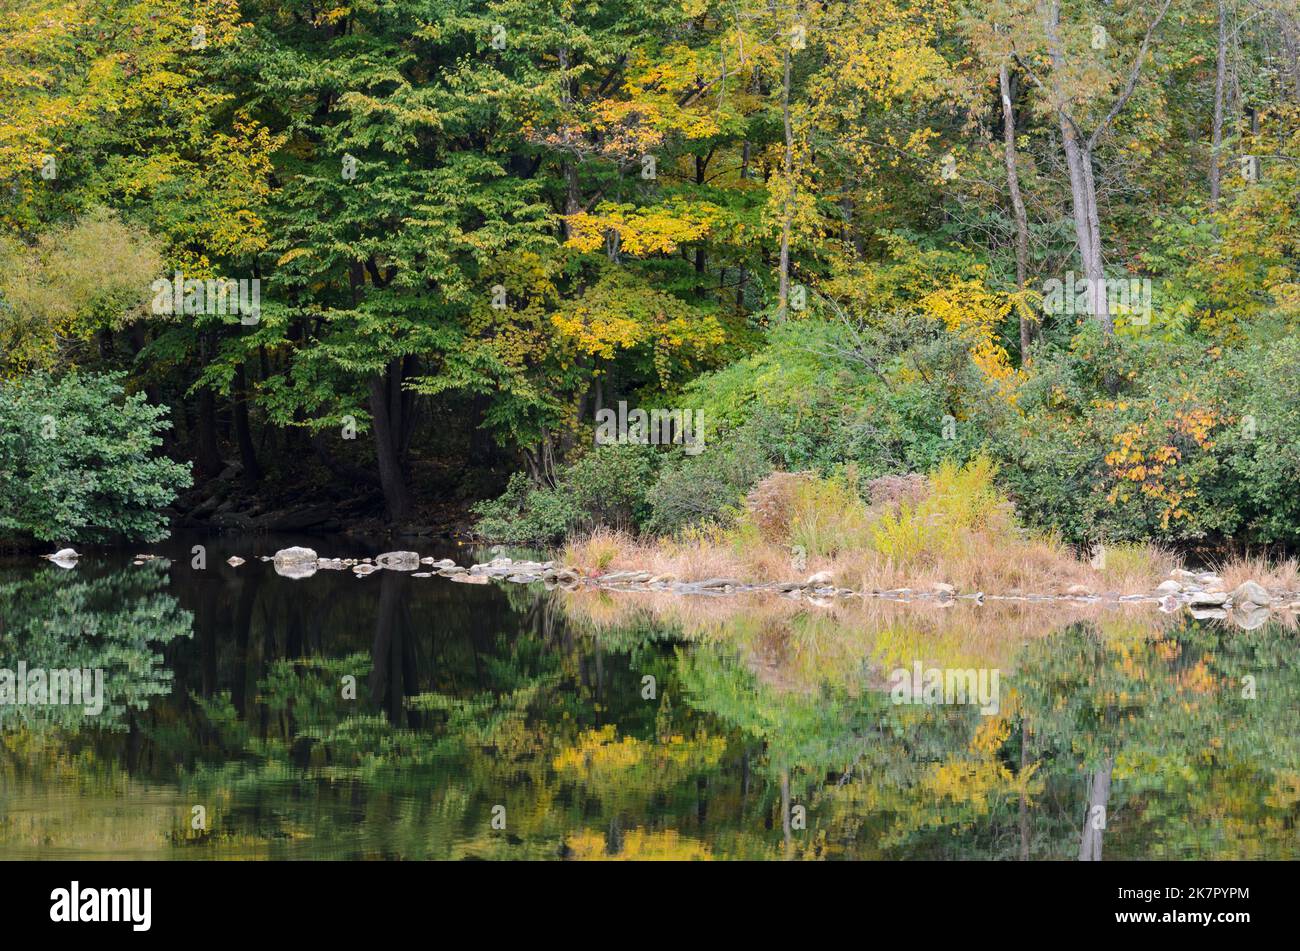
(304, 562)
(1203, 594)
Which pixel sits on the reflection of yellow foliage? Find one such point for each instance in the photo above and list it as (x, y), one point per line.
(1286, 791)
(638, 845)
(599, 751)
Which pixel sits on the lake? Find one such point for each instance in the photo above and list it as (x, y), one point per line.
(253, 716)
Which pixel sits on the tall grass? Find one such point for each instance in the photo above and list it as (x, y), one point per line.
(953, 526)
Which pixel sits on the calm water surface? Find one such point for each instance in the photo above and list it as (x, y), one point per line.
(504, 721)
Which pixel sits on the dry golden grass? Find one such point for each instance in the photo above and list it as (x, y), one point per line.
(973, 561)
(962, 534)
(1280, 575)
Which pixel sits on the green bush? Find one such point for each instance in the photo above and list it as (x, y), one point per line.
(605, 487)
(78, 461)
(705, 487)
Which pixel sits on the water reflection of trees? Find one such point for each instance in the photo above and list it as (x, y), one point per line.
(116, 622)
(473, 697)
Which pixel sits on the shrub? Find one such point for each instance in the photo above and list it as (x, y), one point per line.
(770, 505)
(961, 500)
(705, 487)
(606, 487)
(78, 461)
(829, 517)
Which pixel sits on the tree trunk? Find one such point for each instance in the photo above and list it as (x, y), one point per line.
(1087, 225)
(1098, 799)
(783, 288)
(387, 434)
(208, 454)
(1083, 189)
(1017, 203)
(1220, 79)
(243, 435)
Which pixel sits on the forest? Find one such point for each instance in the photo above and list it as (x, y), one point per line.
(290, 265)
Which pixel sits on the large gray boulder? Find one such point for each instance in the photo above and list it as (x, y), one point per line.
(398, 560)
(1251, 592)
(294, 563)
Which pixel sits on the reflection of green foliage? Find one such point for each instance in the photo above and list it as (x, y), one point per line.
(550, 724)
(113, 622)
(1197, 765)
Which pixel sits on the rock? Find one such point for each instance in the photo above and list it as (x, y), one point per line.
(1250, 592)
(1207, 599)
(1079, 591)
(452, 570)
(943, 589)
(1183, 573)
(1169, 587)
(718, 583)
(1169, 604)
(234, 561)
(626, 577)
(522, 579)
(363, 569)
(295, 563)
(65, 558)
(1208, 614)
(398, 560)
(663, 579)
(468, 578)
(820, 578)
(789, 586)
(330, 564)
(422, 574)
(1249, 616)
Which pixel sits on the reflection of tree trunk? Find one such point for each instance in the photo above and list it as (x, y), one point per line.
(1024, 806)
(785, 813)
(243, 624)
(1094, 821)
(205, 630)
(392, 654)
